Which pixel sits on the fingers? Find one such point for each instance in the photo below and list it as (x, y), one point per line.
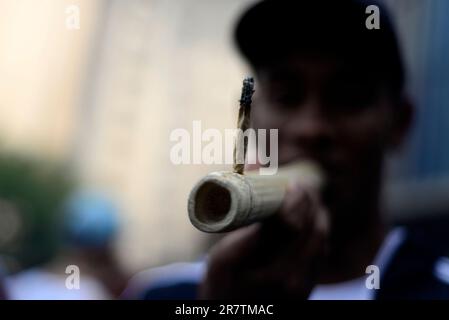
(302, 230)
(236, 248)
(229, 261)
(302, 211)
(305, 216)
(278, 255)
(297, 208)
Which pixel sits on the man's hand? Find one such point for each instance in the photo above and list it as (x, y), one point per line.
(278, 258)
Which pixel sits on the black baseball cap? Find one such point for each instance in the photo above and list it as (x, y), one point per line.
(270, 30)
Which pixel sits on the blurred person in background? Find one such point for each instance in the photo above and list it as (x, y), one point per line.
(335, 90)
(90, 226)
(43, 231)
(87, 228)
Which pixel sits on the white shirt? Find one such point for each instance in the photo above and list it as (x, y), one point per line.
(356, 289)
(36, 284)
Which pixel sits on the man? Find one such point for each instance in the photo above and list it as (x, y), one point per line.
(335, 91)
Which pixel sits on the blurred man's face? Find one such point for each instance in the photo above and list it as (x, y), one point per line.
(330, 112)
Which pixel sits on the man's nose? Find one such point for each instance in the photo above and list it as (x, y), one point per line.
(310, 128)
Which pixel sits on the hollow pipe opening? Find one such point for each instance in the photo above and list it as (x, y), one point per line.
(212, 202)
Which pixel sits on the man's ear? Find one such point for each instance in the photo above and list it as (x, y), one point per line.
(402, 119)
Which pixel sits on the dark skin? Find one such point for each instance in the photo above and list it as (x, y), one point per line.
(328, 112)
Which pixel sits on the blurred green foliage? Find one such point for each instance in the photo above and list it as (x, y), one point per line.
(36, 189)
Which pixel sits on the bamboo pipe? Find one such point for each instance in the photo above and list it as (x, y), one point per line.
(224, 201)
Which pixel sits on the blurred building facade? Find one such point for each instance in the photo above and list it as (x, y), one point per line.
(43, 65)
